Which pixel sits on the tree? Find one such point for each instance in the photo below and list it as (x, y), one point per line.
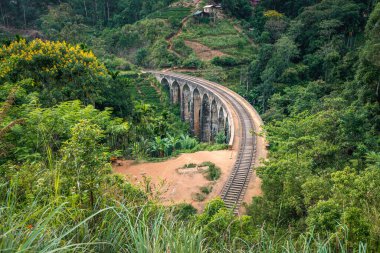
(284, 52)
(275, 24)
(60, 71)
(324, 217)
(239, 8)
(368, 78)
(3, 113)
(83, 164)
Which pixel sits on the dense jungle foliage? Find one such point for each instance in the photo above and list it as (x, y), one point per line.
(74, 99)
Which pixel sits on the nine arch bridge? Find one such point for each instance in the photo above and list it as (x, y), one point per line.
(206, 111)
(212, 108)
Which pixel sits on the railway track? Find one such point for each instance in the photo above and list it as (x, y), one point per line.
(234, 189)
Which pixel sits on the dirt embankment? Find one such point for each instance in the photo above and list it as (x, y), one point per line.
(203, 52)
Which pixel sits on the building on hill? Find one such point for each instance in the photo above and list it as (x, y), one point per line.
(211, 11)
(212, 8)
(200, 14)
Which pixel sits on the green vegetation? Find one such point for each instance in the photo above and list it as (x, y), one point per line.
(199, 196)
(174, 14)
(313, 81)
(190, 165)
(311, 68)
(220, 35)
(206, 189)
(212, 172)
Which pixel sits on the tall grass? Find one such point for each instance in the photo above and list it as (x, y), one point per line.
(117, 228)
(121, 228)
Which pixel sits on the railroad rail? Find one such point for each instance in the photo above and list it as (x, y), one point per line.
(235, 187)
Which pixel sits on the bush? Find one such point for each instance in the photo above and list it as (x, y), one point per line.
(161, 57)
(188, 142)
(117, 63)
(59, 71)
(224, 61)
(220, 138)
(199, 197)
(206, 189)
(141, 56)
(190, 165)
(213, 172)
(184, 211)
(192, 62)
(180, 47)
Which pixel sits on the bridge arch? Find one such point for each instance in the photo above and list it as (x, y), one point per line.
(214, 120)
(206, 111)
(166, 86)
(205, 119)
(186, 103)
(227, 130)
(176, 93)
(196, 113)
(221, 121)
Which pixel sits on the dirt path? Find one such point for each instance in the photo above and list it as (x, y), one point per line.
(179, 188)
(203, 52)
(179, 31)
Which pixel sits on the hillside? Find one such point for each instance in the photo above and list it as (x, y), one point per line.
(77, 105)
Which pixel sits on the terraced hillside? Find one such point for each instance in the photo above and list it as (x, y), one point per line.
(147, 91)
(221, 36)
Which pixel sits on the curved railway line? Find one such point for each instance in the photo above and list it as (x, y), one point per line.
(235, 187)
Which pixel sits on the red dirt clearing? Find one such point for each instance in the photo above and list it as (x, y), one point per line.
(179, 188)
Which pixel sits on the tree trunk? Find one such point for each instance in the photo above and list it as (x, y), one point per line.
(85, 7)
(2, 14)
(24, 16)
(95, 12)
(108, 12)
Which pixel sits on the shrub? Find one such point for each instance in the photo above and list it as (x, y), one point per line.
(141, 56)
(188, 142)
(184, 211)
(224, 61)
(59, 71)
(180, 47)
(199, 197)
(213, 172)
(192, 62)
(220, 138)
(204, 164)
(206, 189)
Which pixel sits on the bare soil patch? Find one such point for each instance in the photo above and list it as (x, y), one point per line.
(203, 52)
(181, 187)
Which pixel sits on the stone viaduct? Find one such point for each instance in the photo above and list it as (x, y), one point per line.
(207, 113)
(211, 109)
